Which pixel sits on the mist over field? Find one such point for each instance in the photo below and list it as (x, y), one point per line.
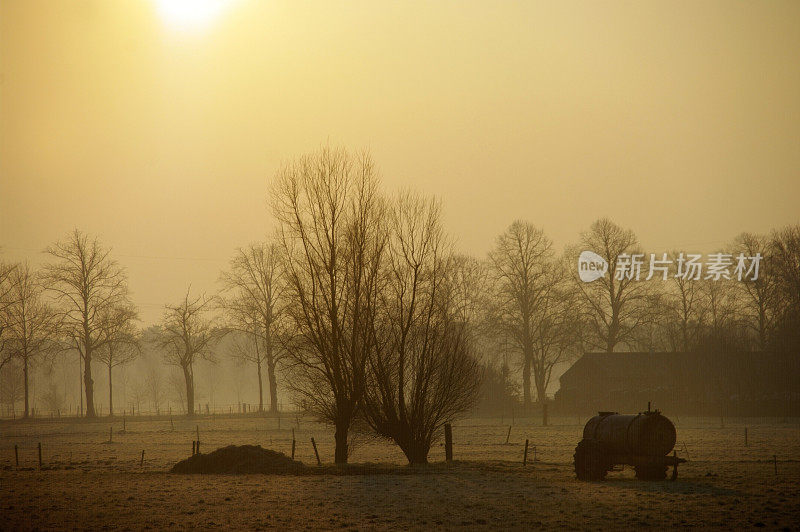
(429, 265)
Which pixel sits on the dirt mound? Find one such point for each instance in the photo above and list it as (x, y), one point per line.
(240, 459)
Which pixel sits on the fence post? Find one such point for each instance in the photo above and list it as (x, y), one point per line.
(141, 462)
(508, 435)
(525, 454)
(293, 444)
(16, 454)
(319, 463)
(448, 442)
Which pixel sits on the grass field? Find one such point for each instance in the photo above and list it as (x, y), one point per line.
(88, 482)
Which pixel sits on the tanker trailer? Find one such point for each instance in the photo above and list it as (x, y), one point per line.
(643, 441)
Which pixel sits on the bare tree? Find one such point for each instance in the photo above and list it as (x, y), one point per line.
(519, 265)
(7, 285)
(33, 325)
(254, 305)
(784, 261)
(53, 399)
(759, 293)
(138, 395)
(120, 344)
(469, 285)
(330, 212)
(11, 386)
(186, 337)
(616, 304)
(683, 298)
(153, 386)
(87, 282)
(558, 327)
(422, 372)
(721, 304)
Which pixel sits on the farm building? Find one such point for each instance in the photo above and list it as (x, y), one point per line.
(682, 383)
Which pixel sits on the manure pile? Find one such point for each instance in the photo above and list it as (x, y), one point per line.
(240, 459)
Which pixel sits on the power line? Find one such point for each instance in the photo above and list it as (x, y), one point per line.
(149, 257)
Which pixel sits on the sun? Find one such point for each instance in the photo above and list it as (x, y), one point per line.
(190, 14)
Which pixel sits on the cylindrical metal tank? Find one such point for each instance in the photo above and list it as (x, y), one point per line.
(648, 434)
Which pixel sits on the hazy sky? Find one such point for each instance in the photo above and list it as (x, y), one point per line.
(680, 120)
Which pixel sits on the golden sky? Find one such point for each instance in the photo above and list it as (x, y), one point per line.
(679, 119)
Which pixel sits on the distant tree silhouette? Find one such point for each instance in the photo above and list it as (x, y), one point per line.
(187, 336)
(519, 266)
(784, 265)
(254, 299)
(120, 345)
(6, 298)
(86, 282)
(614, 307)
(33, 325)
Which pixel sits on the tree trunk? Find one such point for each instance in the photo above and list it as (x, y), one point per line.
(610, 343)
(110, 396)
(526, 382)
(273, 381)
(25, 378)
(541, 397)
(340, 456)
(187, 375)
(416, 452)
(685, 334)
(80, 382)
(260, 387)
(88, 383)
(273, 387)
(613, 333)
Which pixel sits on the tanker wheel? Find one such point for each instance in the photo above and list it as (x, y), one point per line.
(590, 463)
(651, 472)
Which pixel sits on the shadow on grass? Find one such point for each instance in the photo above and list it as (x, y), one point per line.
(678, 487)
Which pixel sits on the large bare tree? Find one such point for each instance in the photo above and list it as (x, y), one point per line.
(422, 372)
(187, 336)
(616, 304)
(32, 323)
(87, 282)
(120, 343)
(254, 301)
(329, 210)
(519, 266)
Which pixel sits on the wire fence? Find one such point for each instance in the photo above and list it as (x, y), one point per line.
(133, 410)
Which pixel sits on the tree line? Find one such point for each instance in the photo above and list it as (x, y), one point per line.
(361, 308)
